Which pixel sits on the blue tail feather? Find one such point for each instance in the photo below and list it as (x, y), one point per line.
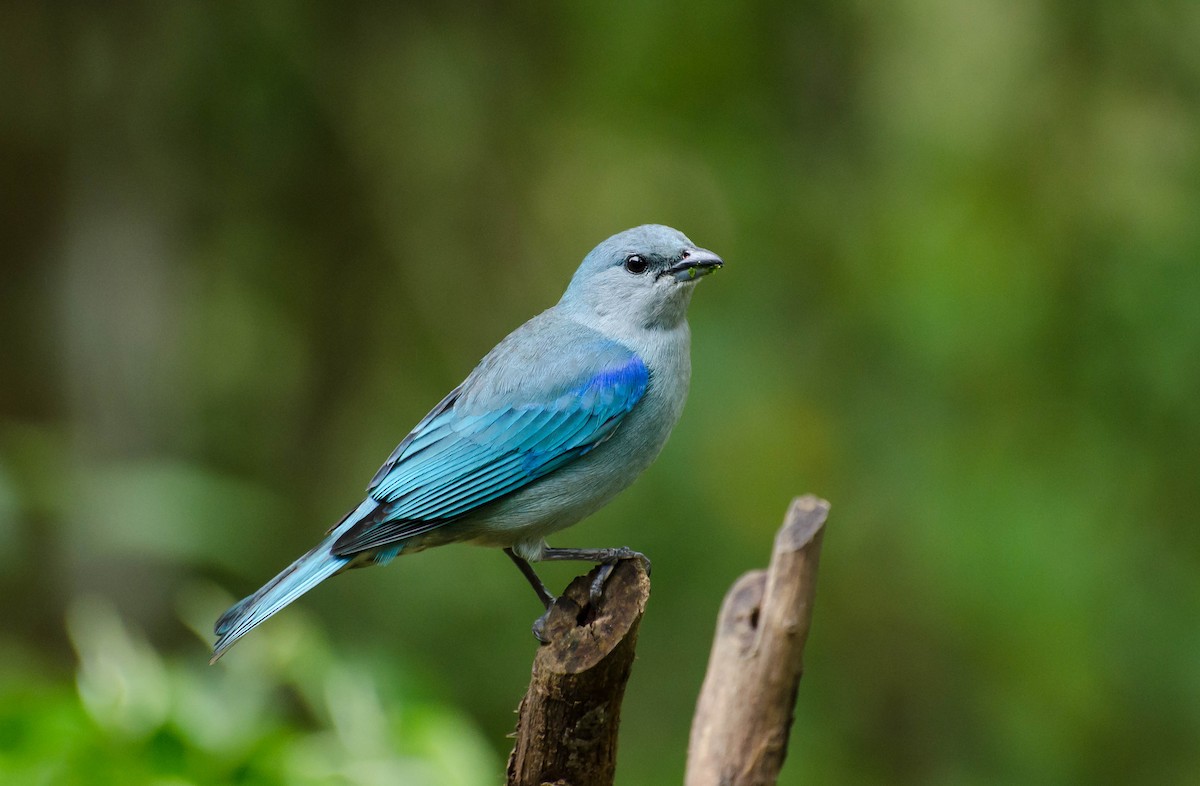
(298, 578)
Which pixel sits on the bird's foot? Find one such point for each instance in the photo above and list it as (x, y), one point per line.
(603, 571)
(607, 560)
(602, 556)
(539, 628)
(608, 563)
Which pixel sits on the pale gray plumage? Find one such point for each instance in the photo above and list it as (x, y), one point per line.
(558, 418)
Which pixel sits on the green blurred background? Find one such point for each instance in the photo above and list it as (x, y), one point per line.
(248, 246)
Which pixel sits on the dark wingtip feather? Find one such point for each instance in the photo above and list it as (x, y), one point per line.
(229, 618)
(226, 623)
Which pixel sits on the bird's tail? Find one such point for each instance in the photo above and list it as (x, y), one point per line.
(296, 579)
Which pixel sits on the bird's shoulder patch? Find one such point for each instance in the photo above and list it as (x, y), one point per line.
(621, 384)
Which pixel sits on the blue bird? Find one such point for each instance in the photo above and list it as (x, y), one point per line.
(558, 418)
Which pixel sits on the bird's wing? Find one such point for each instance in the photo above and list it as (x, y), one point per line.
(496, 433)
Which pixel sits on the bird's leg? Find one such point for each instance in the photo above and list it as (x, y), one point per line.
(544, 595)
(602, 556)
(608, 558)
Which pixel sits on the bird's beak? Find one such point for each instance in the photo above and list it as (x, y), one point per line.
(698, 262)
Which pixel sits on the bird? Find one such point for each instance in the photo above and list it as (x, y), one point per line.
(561, 416)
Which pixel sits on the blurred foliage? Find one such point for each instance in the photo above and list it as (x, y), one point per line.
(247, 246)
(286, 713)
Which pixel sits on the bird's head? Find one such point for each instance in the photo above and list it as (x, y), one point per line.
(642, 277)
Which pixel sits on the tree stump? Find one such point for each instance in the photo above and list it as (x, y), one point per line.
(567, 722)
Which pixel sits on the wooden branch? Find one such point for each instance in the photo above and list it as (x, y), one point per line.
(740, 730)
(567, 722)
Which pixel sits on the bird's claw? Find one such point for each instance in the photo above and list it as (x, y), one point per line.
(539, 626)
(603, 571)
(624, 553)
(606, 567)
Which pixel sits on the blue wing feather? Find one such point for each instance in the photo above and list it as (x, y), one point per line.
(460, 458)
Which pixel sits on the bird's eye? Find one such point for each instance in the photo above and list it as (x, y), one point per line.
(635, 264)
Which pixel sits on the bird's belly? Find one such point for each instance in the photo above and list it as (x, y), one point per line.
(550, 504)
